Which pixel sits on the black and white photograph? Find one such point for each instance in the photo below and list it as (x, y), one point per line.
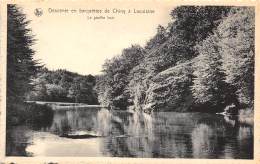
(130, 80)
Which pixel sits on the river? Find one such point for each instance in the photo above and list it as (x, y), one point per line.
(133, 134)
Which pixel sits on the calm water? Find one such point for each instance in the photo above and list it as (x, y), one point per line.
(126, 134)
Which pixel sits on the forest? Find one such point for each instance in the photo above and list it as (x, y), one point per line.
(203, 60)
(62, 86)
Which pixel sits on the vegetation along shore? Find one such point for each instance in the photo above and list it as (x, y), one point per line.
(203, 60)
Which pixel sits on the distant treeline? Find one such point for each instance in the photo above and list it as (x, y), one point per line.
(202, 60)
(62, 86)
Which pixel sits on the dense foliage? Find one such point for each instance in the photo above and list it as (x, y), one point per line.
(236, 35)
(113, 85)
(203, 60)
(20, 64)
(224, 69)
(63, 86)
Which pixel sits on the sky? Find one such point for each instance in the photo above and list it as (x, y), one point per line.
(72, 41)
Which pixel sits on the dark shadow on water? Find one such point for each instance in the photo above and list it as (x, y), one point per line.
(17, 141)
(79, 136)
(36, 117)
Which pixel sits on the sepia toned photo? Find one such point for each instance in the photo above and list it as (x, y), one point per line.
(152, 81)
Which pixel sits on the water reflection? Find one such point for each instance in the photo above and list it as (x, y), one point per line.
(136, 134)
(202, 144)
(132, 135)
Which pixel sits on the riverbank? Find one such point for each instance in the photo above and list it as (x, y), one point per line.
(246, 116)
(65, 105)
(56, 103)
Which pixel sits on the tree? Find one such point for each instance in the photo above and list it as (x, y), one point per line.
(224, 69)
(137, 86)
(156, 78)
(116, 72)
(20, 63)
(209, 87)
(159, 38)
(190, 25)
(55, 92)
(172, 46)
(81, 90)
(39, 91)
(236, 33)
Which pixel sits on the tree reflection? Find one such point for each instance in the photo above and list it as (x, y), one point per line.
(137, 134)
(202, 143)
(134, 137)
